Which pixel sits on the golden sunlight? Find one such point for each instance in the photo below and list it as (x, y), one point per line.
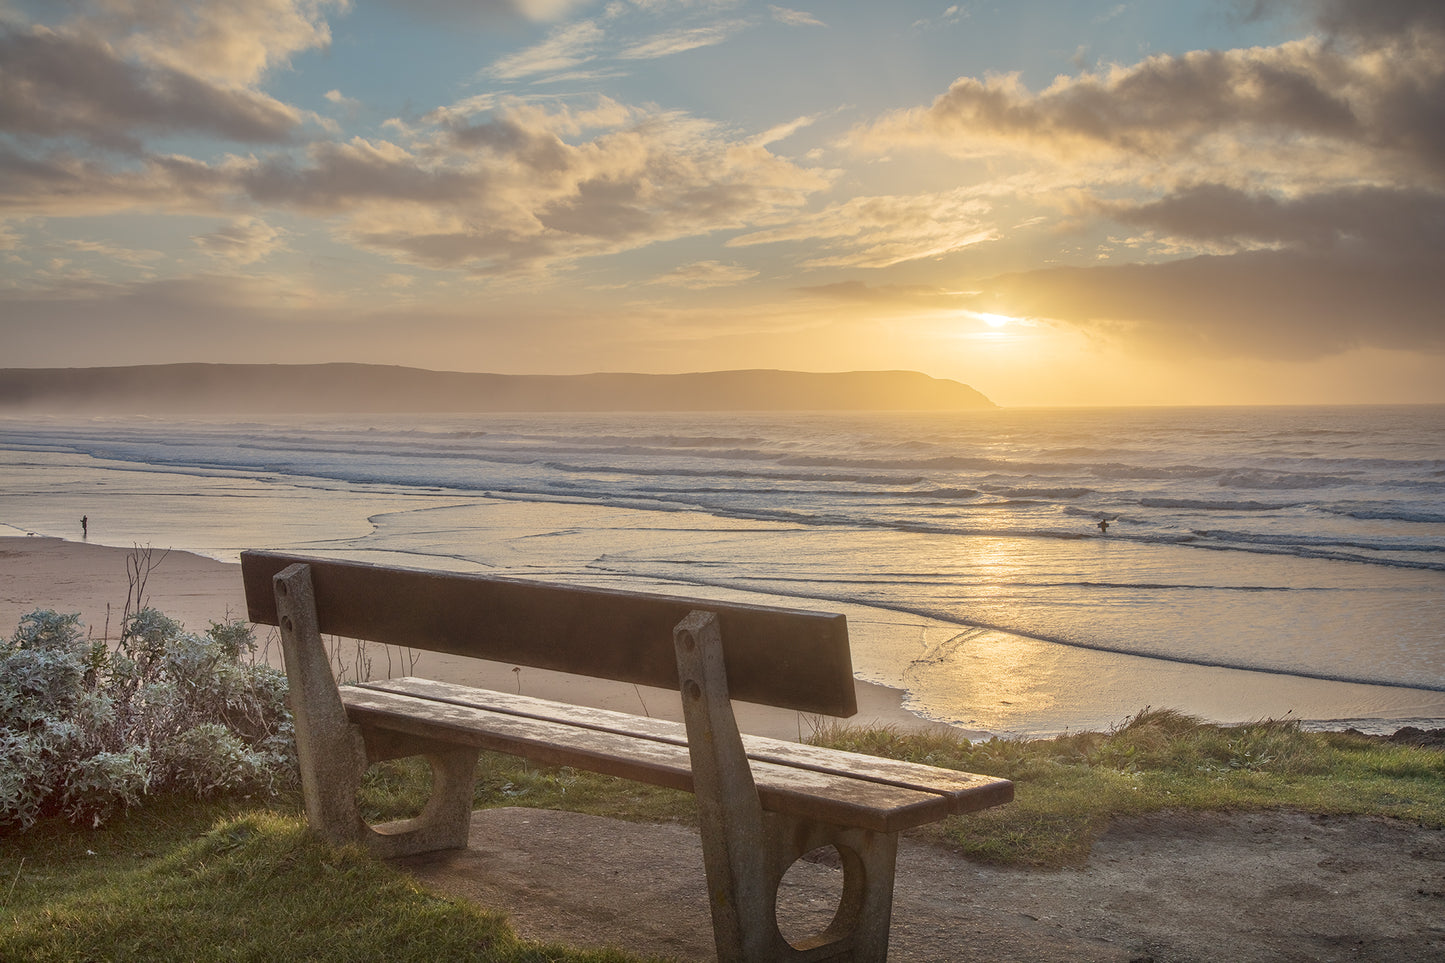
(992, 320)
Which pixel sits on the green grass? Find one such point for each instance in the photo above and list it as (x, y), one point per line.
(181, 881)
(244, 881)
(397, 790)
(1068, 788)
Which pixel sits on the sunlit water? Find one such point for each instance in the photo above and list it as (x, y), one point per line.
(1302, 545)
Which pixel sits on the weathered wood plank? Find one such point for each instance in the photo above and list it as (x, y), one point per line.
(790, 658)
(828, 797)
(966, 792)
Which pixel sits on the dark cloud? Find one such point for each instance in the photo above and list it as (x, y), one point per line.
(540, 150)
(60, 183)
(1362, 18)
(1378, 86)
(337, 177)
(1155, 107)
(1371, 221)
(601, 208)
(1354, 267)
(1277, 305)
(53, 85)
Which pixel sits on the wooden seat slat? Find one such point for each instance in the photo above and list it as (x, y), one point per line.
(966, 792)
(828, 797)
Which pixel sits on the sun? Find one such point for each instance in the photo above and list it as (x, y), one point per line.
(992, 320)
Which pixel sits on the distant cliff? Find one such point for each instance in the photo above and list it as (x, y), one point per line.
(224, 388)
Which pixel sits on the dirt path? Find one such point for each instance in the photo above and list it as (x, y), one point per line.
(1168, 888)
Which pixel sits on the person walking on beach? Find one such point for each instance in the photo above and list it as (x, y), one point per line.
(85, 526)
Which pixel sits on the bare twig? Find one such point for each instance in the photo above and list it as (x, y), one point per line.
(138, 567)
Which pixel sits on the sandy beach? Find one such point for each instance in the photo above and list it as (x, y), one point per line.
(52, 573)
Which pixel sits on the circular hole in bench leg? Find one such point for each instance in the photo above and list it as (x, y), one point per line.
(810, 896)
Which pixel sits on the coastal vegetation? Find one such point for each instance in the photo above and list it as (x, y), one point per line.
(222, 853)
(87, 730)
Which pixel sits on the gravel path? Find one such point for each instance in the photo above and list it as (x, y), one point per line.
(1167, 888)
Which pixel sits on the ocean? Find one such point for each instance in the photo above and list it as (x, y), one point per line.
(1255, 562)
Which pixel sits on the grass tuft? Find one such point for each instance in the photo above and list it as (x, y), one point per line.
(1069, 787)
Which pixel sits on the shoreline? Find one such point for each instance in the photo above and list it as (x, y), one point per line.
(44, 572)
(999, 681)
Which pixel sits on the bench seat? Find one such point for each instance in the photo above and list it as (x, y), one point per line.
(843, 788)
(762, 803)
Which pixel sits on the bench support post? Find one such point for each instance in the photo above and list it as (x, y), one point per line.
(333, 756)
(746, 851)
(329, 750)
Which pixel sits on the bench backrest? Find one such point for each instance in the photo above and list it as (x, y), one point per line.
(791, 658)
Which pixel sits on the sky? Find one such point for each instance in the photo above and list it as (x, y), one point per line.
(1058, 202)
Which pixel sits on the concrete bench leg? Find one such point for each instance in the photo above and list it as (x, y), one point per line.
(746, 852)
(859, 929)
(329, 749)
(333, 755)
(446, 821)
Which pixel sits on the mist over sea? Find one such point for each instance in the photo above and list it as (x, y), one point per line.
(1256, 560)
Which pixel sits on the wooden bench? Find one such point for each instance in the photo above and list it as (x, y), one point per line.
(762, 803)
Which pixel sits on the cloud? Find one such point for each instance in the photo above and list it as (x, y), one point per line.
(349, 104)
(1401, 224)
(795, 18)
(1279, 305)
(480, 11)
(221, 40)
(62, 184)
(503, 192)
(566, 46)
(783, 131)
(1310, 174)
(682, 40)
(135, 257)
(245, 240)
(55, 85)
(705, 274)
(573, 45)
(878, 232)
(1364, 18)
(1380, 98)
(952, 14)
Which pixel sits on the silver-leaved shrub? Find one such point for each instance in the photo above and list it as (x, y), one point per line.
(86, 730)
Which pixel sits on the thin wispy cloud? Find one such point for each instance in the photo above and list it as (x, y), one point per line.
(567, 46)
(700, 275)
(245, 240)
(681, 41)
(795, 18)
(879, 232)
